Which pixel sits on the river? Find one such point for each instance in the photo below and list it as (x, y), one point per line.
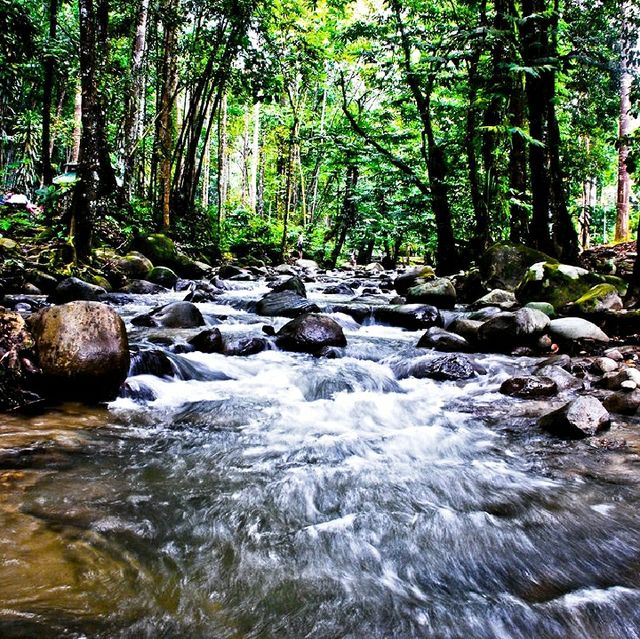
(284, 496)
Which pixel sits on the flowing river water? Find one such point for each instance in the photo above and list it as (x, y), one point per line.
(279, 495)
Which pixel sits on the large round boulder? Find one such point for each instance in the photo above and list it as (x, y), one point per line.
(82, 349)
(285, 304)
(583, 417)
(504, 264)
(576, 328)
(134, 265)
(310, 333)
(439, 292)
(506, 330)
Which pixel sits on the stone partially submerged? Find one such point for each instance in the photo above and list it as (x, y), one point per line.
(82, 349)
(310, 333)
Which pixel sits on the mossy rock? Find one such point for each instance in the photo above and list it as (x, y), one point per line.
(505, 264)
(543, 307)
(163, 275)
(159, 248)
(599, 298)
(561, 284)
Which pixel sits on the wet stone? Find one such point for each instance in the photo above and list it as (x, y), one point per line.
(529, 387)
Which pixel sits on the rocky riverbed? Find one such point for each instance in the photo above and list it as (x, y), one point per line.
(297, 452)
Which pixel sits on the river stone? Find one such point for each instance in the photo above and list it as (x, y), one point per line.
(497, 297)
(623, 402)
(309, 333)
(83, 350)
(73, 289)
(163, 275)
(602, 365)
(505, 330)
(134, 265)
(466, 328)
(614, 380)
(227, 271)
(411, 316)
(209, 341)
(246, 346)
(151, 362)
(561, 284)
(504, 264)
(307, 265)
(564, 379)
(285, 269)
(574, 328)
(439, 292)
(285, 304)
(45, 282)
(14, 334)
(598, 299)
(530, 387)
(445, 368)
(543, 307)
(442, 340)
(174, 315)
(294, 284)
(582, 417)
(339, 289)
(412, 278)
(142, 287)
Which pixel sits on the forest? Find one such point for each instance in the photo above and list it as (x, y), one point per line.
(377, 129)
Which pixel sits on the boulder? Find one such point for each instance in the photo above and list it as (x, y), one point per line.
(505, 330)
(285, 304)
(73, 289)
(285, 269)
(151, 362)
(309, 333)
(134, 265)
(159, 248)
(307, 265)
(163, 275)
(623, 402)
(614, 380)
(339, 289)
(439, 292)
(504, 300)
(543, 307)
(599, 299)
(564, 379)
(209, 341)
(45, 282)
(582, 417)
(174, 315)
(561, 284)
(576, 328)
(142, 287)
(504, 264)
(246, 346)
(294, 284)
(412, 278)
(445, 368)
(411, 316)
(441, 340)
(227, 271)
(83, 350)
(465, 327)
(530, 387)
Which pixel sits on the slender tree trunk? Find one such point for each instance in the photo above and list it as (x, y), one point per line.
(222, 163)
(135, 97)
(77, 125)
(206, 171)
(626, 80)
(519, 217)
(166, 120)
(348, 212)
(255, 158)
(47, 95)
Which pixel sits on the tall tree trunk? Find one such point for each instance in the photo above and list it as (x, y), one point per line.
(348, 211)
(519, 216)
(47, 95)
(223, 161)
(85, 200)
(206, 172)
(134, 97)
(289, 183)
(255, 159)
(552, 230)
(167, 104)
(626, 80)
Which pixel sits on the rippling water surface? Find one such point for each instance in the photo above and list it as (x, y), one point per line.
(283, 496)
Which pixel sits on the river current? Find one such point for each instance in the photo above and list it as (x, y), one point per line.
(283, 496)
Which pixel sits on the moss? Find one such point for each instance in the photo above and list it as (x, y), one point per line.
(504, 264)
(559, 284)
(592, 300)
(159, 248)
